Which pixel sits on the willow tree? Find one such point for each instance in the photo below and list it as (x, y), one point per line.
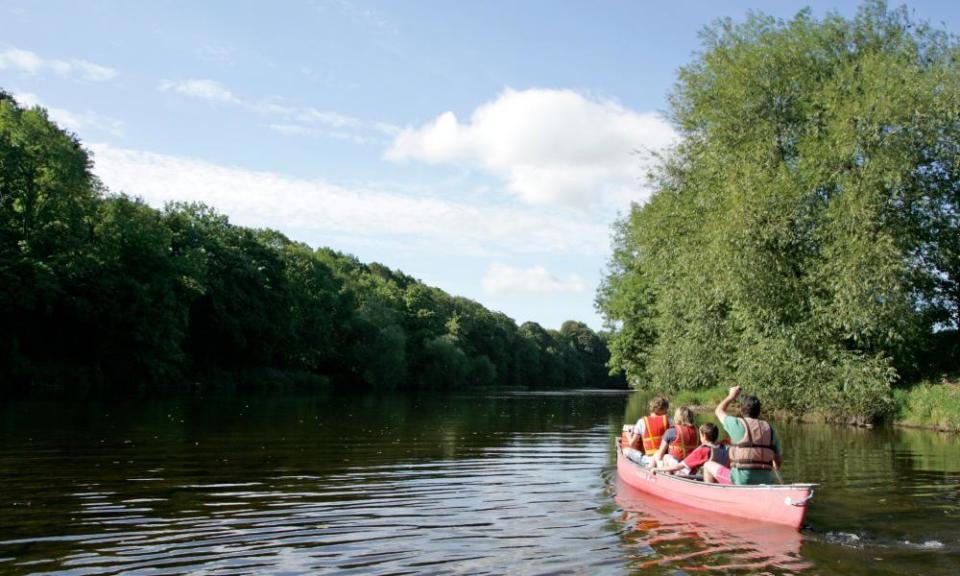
(801, 240)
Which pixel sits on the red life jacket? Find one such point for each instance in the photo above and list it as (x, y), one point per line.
(653, 429)
(686, 442)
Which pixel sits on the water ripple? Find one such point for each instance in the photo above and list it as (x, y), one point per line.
(445, 500)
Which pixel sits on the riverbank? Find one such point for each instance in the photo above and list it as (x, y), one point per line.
(932, 404)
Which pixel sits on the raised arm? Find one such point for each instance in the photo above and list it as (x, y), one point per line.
(721, 410)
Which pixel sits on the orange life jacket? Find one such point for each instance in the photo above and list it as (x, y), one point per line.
(653, 429)
(686, 442)
(625, 438)
(755, 451)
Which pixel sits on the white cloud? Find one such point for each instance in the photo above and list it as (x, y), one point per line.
(93, 72)
(329, 118)
(216, 53)
(365, 16)
(550, 146)
(388, 129)
(301, 130)
(363, 214)
(295, 120)
(503, 279)
(30, 63)
(73, 121)
(201, 88)
(293, 130)
(22, 60)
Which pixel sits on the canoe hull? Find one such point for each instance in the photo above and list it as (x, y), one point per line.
(785, 505)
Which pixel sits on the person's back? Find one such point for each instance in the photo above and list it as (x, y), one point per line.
(754, 446)
(720, 453)
(644, 440)
(680, 440)
(753, 452)
(686, 441)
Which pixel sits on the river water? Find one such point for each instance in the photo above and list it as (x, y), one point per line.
(433, 483)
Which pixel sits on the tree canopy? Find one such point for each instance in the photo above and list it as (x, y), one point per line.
(802, 238)
(100, 287)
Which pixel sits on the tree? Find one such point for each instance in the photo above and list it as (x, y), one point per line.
(799, 237)
(100, 287)
(129, 316)
(47, 209)
(240, 315)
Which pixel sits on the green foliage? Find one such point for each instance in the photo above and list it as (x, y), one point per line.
(707, 397)
(103, 288)
(935, 404)
(802, 238)
(135, 320)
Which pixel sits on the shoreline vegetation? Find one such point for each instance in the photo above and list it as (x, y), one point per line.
(99, 290)
(926, 405)
(803, 236)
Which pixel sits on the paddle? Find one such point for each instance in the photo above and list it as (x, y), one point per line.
(776, 471)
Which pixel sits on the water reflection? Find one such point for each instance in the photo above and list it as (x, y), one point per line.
(432, 483)
(353, 484)
(665, 535)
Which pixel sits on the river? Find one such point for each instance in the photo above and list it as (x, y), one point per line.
(433, 483)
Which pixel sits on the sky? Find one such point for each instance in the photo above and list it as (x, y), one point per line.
(485, 148)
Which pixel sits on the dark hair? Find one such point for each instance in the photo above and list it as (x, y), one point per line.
(749, 406)
(710, 430)
(659, 404)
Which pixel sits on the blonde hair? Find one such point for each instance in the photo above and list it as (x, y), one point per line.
(684, 415)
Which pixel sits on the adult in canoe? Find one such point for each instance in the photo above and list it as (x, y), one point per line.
(754, 447)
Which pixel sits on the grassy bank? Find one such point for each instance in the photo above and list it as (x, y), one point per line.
(707, 397)
(930, 404)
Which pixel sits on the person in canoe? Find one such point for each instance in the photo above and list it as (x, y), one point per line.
(678, 441)
(644, 440)
(754, 446)
(708, 451)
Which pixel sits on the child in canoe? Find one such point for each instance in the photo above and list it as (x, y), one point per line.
(678, 441)
(708, 451)
(643, 440)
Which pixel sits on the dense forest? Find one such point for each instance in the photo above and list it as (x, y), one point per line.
(100, 288)
(803, 239)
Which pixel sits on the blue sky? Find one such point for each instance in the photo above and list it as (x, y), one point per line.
(483, 147)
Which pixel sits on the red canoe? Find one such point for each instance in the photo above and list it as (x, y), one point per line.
(779, 504)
